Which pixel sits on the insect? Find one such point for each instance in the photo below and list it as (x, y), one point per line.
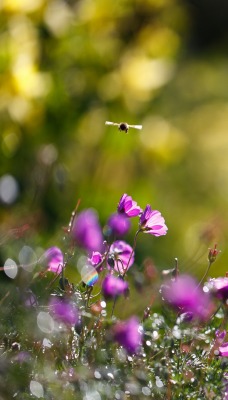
(123, 126)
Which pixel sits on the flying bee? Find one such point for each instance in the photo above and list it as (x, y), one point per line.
(123, 126)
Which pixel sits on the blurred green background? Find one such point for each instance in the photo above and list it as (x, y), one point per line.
(68, 66)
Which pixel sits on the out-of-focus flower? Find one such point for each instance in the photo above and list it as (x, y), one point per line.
(128, 206)
(219, 287)
(30, 299)
(151, 221)
(64, 311)
(119, 224)
(96, 258)
(184, 294)
(113, 287)
(86, 231)
(223, 350)
(129, 334)
(122, 256)
(54, 259)
(220, 335)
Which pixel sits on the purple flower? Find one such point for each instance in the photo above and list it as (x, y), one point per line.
(30, 299)
(119, 224)
(64, 311)
(96, 258)
(54, 259)
(219, 286)
(223, 350)
(128, 206)
(86, 231)
(220, 335)
(151, 221)
(122, 255)
(113, 287)
(184, 295)
(129, 334)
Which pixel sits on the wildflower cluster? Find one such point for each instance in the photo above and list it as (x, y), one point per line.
(61, 334)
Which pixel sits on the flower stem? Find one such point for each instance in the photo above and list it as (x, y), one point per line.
(132, 252)
(205, 274)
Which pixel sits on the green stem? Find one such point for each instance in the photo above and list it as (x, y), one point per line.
(132, 252)
(205, 274)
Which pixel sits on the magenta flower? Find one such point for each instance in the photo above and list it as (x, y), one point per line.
(119, 224)
(86, 231)
(96, 258)
(151, 221)
(54, 259)
(122, 255)
(128, 206)
(219, 286)
(184, 295)
(223, 350)
(113, 287)
(220, 335)
(129, 334)
(64, 311)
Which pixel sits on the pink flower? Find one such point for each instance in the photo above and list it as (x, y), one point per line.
(113, 287)
(64, 311)
(128, 206)
(119, 224)
(151, 221)
(219, 286)
(184, 295)
(122, 255)
(129, 334)
(86, 231)
(54, 259)
(96, 258)
(223, 350)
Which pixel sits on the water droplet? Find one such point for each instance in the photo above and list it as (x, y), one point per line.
(93, 395)
(97, 375)
(47, 343)
(36, 389)
(27, 258)
(146, 391)
(45, 322)
(8, 189)
(158, 382)
(155, 335)
(10, 268)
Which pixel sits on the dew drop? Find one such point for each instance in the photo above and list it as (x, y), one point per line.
(47, 343)
(10, 268)
(45, 322)
(27, 258)
(97, 375)
(159, 383)
(9, 189)
(36, 389)
(146, 391)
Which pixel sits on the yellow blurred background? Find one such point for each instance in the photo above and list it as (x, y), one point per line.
(68, 66)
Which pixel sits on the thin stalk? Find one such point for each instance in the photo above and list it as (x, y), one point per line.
(132, 252)
(205, 274)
